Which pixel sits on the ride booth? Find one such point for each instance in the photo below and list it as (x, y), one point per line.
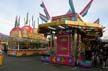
(69, 40)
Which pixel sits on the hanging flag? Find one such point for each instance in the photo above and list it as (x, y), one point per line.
(97, 21)
(45, 10)
(72, 6)
(85, 10)
(26, 19)
(16, 22)
(72, 10)
(33, 22)
(43, 18)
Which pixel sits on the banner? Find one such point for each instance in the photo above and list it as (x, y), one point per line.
(85, 10)
(45, 10)
(97, 21)
(72, 10)
(43, 18)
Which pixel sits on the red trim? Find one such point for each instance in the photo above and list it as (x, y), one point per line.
(85, 9)
(61, 16)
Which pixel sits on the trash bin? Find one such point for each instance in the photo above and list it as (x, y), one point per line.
(1, 58)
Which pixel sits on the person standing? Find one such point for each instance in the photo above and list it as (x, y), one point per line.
(105, 55)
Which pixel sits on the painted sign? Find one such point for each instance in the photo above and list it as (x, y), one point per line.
(63, 45)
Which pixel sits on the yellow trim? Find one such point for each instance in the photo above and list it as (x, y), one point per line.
(51, 23)
(79, 23)
(71, 23)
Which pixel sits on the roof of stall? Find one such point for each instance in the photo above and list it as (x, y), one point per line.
(16, 39)
(67, 23)
(3, 35)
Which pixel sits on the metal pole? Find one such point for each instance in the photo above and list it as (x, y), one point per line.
(18, 46)
(75, 46)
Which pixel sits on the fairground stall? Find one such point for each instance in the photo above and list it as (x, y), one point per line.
(70, 37)
(25, 47)
(3, 43)
(26, 41)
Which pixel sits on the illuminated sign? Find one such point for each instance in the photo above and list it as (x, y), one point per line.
(64, 49)
(36, 36)
(16, 33)
(64, 39)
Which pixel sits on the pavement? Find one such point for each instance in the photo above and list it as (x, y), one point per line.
(33, 63)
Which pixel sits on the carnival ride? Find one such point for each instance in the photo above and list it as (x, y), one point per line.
(70, 37)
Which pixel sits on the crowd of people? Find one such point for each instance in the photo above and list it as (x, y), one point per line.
(98, 54)
(103, 54)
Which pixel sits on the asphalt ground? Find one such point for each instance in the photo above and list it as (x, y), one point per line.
(33, 63)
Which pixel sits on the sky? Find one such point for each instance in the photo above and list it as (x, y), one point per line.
(9, 9)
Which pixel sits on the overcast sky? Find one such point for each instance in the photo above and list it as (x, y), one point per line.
(10, 8)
